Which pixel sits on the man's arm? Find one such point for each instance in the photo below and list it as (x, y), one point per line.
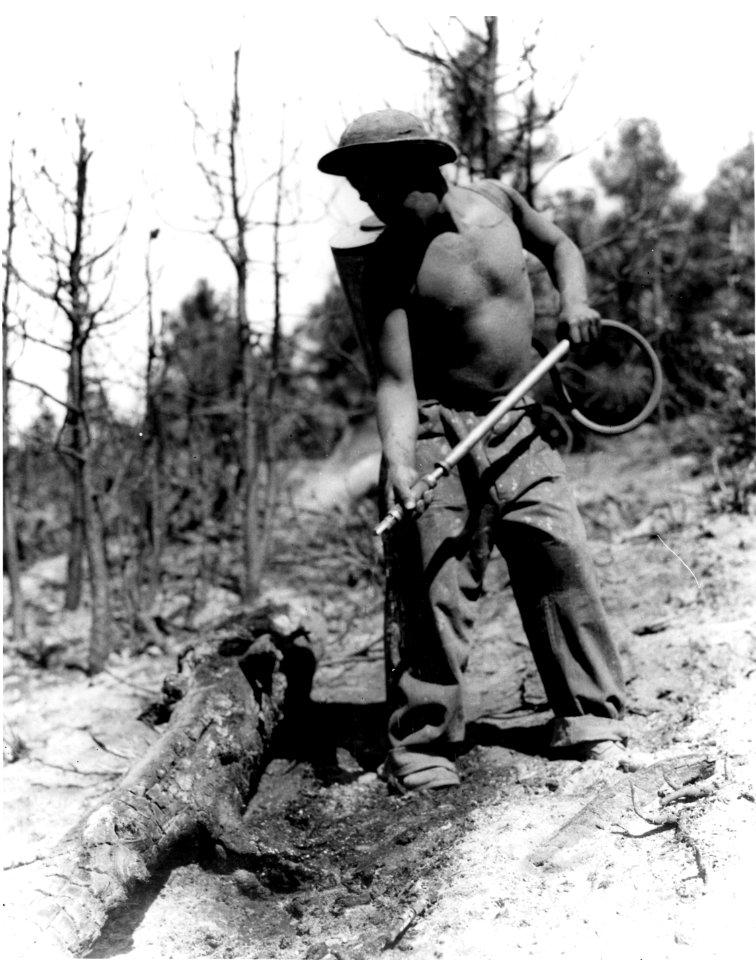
(396, 399)
(565, 266)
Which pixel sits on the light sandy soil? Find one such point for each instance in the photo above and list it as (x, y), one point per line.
(531, 857)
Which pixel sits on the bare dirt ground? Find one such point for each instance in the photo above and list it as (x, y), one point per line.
(531, 856)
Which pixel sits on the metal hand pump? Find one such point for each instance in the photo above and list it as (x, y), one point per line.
(441, 469)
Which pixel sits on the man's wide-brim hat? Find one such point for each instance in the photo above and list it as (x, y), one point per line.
(380, 134)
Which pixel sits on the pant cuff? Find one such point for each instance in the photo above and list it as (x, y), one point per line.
(570, 731)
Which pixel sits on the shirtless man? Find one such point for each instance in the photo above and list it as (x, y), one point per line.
(452, 316)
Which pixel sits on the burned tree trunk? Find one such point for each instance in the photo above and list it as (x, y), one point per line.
(224, 706)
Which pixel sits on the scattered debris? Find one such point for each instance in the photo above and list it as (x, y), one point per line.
(697, 785)
(417, 906)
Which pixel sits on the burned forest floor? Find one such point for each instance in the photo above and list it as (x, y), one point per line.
(532, 856)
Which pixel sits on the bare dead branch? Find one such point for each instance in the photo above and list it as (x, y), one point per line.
(656, 820)
(429, 57)
(471, 34)
(253, 195)
(69, 451)
(45, 393)
(89, 262)
(25, 335)
(690, 792)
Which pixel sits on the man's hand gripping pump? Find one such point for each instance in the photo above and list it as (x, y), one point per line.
(441, 469)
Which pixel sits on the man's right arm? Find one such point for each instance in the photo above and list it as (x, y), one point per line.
(397, 407)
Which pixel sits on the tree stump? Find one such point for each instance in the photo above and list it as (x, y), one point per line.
(222, 709)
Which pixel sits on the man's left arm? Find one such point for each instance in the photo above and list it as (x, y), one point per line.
(565, 266)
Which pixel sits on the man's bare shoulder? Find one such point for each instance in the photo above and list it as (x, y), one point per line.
(498, 193)
(478, 204)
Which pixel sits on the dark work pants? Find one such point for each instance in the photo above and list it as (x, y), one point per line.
(509, 492)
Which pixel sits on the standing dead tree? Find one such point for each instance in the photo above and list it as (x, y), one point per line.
(9, 511)
(72, 296)
(267, 440)
(152, 529)
(466, 85)
(72, 292)
(228, 192)
(496, 131)
(259, 351)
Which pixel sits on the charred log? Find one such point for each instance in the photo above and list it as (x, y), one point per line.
(223, 708)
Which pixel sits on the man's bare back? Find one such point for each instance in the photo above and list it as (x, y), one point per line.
(470, 316)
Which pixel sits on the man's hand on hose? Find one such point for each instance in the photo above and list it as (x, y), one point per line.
(401, 479)
(579, 324)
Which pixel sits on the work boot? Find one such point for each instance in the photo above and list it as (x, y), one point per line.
(407, 771)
